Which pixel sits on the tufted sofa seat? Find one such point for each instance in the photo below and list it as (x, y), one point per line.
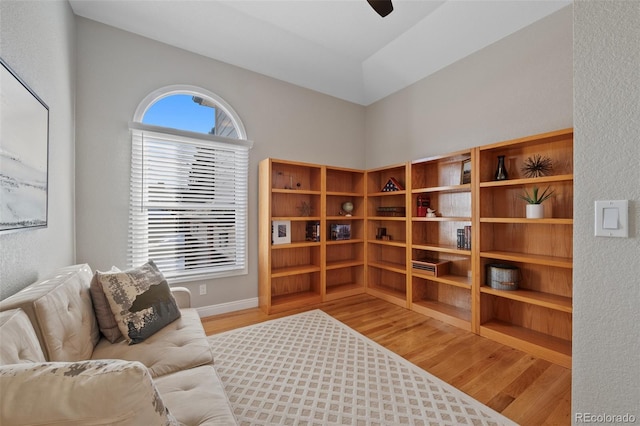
(178, 346)
(52, 347)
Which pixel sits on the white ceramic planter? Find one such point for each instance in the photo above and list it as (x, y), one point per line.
(535, 211)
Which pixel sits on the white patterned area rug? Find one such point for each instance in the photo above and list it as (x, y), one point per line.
(311, 369)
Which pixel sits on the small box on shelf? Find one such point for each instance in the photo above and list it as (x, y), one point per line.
(503, 276)
(431, 266)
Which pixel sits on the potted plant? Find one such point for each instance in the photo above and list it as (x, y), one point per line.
(535, 209)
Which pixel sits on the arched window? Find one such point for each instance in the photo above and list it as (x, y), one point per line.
(189, 185)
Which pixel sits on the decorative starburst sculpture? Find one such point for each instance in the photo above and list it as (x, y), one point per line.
(536, 166)
(305, 209)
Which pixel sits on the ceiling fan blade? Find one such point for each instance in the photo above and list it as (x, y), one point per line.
(383, 7)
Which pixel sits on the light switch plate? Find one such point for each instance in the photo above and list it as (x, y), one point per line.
(612, 218)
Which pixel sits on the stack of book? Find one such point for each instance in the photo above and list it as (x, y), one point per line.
(312, 231)
(390, 211)
(464, 238)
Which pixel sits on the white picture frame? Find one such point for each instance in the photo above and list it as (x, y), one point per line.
(281, 232)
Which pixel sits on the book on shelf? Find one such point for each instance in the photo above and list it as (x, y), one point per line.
(394, 211)
(463, 238)
(312, 232)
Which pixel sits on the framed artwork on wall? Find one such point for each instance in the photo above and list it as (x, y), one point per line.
(24, 154)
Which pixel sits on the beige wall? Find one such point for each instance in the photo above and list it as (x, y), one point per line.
(117, 69)
(524, 85)
(606, 332)
(37, 40)
(517, 86)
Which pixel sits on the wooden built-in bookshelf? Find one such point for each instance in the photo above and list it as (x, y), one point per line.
(437, 181)
(306, 271)
(537, 317)
(387, 276)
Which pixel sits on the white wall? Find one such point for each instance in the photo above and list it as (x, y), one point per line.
(116, 70)
(37, 40)
(606, 303)
(518, 86)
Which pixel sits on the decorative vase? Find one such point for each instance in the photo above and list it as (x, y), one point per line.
(535, 211)
(501, 170)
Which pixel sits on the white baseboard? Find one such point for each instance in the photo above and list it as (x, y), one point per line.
(223, 308)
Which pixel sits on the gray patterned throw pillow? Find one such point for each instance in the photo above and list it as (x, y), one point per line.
(106, 321)
(140, 300)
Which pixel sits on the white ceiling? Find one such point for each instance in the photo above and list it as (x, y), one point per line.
(338, 47)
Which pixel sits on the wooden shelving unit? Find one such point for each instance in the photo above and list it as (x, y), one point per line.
(387, 276)
(345, 259)
(437, 181)
(538, 316)
(309, 270)
(290, 274)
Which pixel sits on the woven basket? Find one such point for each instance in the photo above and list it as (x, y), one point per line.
(502, 276)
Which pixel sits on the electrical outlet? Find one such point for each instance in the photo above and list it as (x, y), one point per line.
(203, 289)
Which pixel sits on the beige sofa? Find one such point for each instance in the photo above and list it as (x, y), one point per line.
(57, 368)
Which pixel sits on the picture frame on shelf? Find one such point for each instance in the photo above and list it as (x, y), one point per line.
(340, 232)
(281, 232)
(465, 172)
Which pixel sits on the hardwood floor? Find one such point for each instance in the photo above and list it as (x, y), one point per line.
(528, 390)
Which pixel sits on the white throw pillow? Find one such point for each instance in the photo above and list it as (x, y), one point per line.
(94, 392)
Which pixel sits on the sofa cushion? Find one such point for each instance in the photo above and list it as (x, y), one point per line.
(19, 343)
(60, 309)
(104, 316)
(81, 393)
(140, 299)
(196, 397)
(180, 345)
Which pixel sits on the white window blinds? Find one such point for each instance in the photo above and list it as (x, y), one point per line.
(188, 206)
